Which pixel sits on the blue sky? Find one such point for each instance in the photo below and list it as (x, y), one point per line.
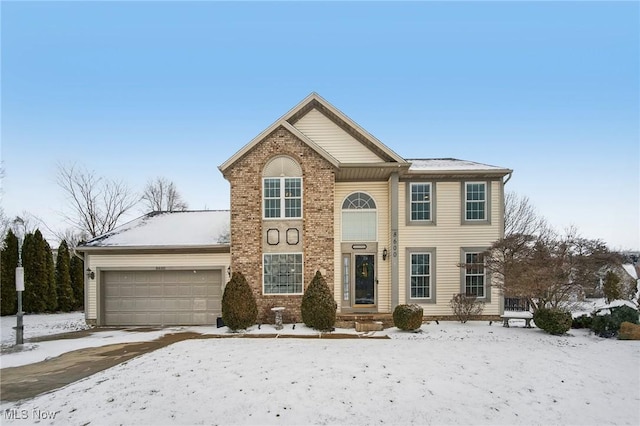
(135, 90)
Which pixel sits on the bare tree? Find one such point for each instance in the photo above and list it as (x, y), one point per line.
(97, 203)
(161, 195)
(72, 236)
(547, 269)
(521, 217)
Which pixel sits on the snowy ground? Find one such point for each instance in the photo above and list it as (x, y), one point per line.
(450, 373)
(40, 325)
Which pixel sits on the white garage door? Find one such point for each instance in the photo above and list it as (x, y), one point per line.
(168, 297)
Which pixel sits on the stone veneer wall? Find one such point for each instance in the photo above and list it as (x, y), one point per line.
(245, 177)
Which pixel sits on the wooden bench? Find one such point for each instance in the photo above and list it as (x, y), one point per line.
(527, 316)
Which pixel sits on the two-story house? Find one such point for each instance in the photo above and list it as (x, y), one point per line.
(314, 192)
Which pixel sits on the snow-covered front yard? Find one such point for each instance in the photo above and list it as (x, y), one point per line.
(450, 373)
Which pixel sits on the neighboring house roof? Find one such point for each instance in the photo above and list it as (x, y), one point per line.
(168, 230)
(631, 270)
(298, 112)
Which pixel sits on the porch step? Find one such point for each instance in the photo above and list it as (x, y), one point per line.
(369, 326)
(372, 322)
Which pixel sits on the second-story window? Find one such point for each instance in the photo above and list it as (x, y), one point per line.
(282, 189)
(475, 201)
(420, 202)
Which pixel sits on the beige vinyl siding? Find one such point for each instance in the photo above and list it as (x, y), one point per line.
(342, 146)
(448, 237)
(147, 261)
(380, 193)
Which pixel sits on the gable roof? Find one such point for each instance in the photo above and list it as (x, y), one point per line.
(315, 101)
(168, 230)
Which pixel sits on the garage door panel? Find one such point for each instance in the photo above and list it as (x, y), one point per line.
(171, 290)
(199, 290)
(155, 290)
(141, 290)
(173, 297)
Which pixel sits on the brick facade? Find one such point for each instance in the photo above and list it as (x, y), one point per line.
(247, 225)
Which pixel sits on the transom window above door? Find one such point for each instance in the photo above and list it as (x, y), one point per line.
(282, 189)
(359, 218)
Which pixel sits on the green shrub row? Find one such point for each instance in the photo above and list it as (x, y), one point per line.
(240, 310)
(608, 325)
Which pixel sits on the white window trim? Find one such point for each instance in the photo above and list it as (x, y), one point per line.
(432, 204)
(431, 251)
(467, 201)
(487, 204)
(342, 210)
(463, 273)
(282, 294)
(283, 198)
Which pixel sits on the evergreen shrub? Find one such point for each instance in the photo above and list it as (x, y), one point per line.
(239, 308)
(553, 320)
(608, 325)
(318, 307)
(66, 302)
(8, 264)
(583, 321)
(408, 317)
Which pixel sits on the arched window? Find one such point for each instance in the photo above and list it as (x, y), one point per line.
(282, 189)
(359, 218)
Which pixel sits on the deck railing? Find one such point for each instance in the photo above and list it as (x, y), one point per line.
(516, 304)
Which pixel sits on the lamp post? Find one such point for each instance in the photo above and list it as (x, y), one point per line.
(18, 227)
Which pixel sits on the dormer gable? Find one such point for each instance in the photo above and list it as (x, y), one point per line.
(330, 133)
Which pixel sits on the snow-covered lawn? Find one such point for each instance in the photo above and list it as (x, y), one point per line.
(450, 373)
(40, 325)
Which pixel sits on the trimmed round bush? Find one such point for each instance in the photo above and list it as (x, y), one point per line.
(553, 320)
(239, 308)
(408, 317)
(629, 331)
(318, 307)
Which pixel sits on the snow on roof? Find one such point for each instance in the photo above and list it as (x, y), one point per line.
(189, 228)
(631, 270)
(449, 164)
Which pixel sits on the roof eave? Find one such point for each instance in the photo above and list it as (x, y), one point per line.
(463, 172)
(211, 248)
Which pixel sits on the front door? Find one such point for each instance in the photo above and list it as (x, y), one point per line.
(365, 280)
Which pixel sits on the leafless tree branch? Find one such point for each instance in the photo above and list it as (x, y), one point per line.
(160, 194)
(97, 203)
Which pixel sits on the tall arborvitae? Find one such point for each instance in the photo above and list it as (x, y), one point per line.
(52, 292)
(39, 283)
(77, 282)
(63, 279)
(8, 264)
(31, 300)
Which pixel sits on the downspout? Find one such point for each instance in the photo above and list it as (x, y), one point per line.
(508, 178)
(501, 304)
(395, 270)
